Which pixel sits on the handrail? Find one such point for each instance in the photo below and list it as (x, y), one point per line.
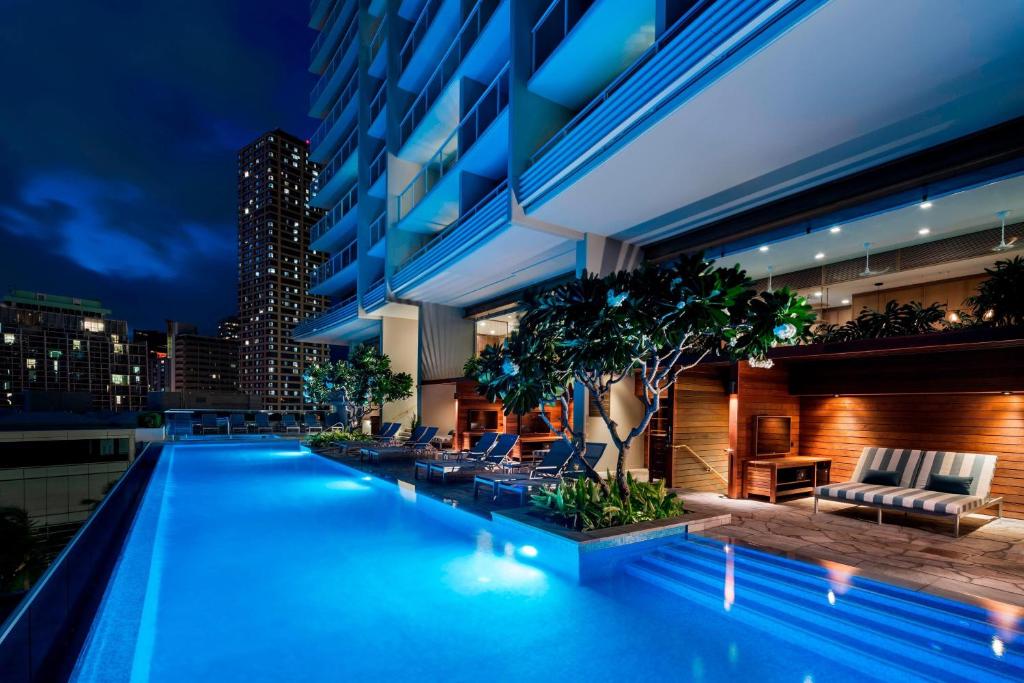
(418, 30)
(314, 50)
(337, 263)
(379, 101)
(447, 67)
(378, 165)
(331, 218)
(454, 225)
(450, 151)
(705, 463)
(568, 21)
(378, 228)
(378, 38)
(337, 161)
(345, 97)
(339, 55)
(315, 323)
(613, 87)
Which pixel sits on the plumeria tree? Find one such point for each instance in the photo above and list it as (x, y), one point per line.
(356, 386)
(652, 323)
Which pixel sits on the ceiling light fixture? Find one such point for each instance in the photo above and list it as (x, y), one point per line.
(817, 293)
(923, 231)
(763, 248)
(820, 255)
(835, 229)
(1003, 244)
(845, 302)
(867, 272)
(925, 204)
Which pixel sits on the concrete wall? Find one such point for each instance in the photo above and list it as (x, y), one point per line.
(400, 341)
(438, 406)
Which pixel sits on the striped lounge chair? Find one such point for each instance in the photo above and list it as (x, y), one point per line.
(917, 474)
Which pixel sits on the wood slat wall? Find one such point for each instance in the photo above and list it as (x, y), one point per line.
(840, 427)
(759, 392)
(701, 421)
(469, 399)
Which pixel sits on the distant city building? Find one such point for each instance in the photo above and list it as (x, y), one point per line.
(274, 266)
(156, 358)
(64, 345)
(229, 328)
(205, 364)
(175, 328)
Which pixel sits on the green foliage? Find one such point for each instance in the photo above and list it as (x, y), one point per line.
(894, 320)
(583, 504)
(1000, 299)
(333, 437)
(150, 419)
(21, 561)
(362, 383)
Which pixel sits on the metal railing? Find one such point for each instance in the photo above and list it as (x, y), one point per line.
(314, 50)
(347, 94)
(337, 212)
(337, 263)
(337, 161)
(315, 323)
(379, 165)
(336, 60)
(609, 90)
(378, 228)
(702, 461)
(486, 109)
(379, 101)
(553, 26)
(418, 31)
(379, 38)
(449, 64)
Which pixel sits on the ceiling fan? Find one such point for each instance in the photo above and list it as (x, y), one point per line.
(1004, 245)
(867, 272)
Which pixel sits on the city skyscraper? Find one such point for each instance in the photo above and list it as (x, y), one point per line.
(229, 327)
(274, 266)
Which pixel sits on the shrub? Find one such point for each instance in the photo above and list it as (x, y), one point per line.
(583, 504)
(331, 437)
(150, 420)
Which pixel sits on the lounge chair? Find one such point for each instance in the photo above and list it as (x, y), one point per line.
(477, 452)
(419, 441)
(209, 423)
(492, 459)
(236, 423)
(941, 483)
(263, 423)
(179, 424)
(554, 461)
(311, 423)
(288, 424)
(387, 431)
(524, 485)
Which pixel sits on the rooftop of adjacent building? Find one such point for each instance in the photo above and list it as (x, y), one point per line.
(65, 304)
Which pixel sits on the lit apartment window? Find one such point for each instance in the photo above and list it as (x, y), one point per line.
(30, 363)
(93, 325)
(76, 344)
(117, 400)
(8, 338)
(119, 379)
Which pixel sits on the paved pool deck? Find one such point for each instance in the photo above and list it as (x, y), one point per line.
(985, 563)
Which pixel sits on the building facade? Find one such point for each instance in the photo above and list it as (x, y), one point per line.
(156, 357)
(274, 268)
(205, 364)
(229, 328)
(57, 345)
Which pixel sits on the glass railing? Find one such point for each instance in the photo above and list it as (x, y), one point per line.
(378, 228)
(664, 39)
(336, 60)
(418, 31)
(379, 101)
(378, 39)
(464, 40)
(337, 161)
(337, 263)
(318, 44)
(487, 108)
(554, 25)
(332, 217)
(348, 93)
(378, 165)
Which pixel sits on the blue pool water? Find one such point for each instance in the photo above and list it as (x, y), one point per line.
(259, 563)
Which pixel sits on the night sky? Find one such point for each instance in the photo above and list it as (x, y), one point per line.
(121, 122)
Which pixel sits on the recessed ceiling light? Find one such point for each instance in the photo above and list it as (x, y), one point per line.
(845, 301)
(763, 248)
(820, 255)
(818, 293)
(925, 204)
(923, 231)
(834, 229)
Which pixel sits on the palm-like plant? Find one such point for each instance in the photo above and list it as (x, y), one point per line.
(357, 386)
(1000, 299)
(894, 320)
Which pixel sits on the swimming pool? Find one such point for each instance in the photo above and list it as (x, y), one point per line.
(265, 563)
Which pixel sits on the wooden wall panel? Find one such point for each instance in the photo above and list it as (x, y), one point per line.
(759, 392)
(840, 427)
(700, 421)
(950, 293)
(469, 399)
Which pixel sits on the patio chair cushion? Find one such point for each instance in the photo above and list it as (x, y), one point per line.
(976, 465)
(902, 498)
(947, 483)
(902, 460)
(882, 477)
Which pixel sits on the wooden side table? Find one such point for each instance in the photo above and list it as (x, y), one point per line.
(789, 476)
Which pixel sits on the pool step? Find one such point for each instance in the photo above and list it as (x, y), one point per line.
(924, 642)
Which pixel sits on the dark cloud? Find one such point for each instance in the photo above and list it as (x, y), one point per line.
(122, 120)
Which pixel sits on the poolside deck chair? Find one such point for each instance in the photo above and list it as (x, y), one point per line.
(387, 432)
(419, 441)
(554, 461)
(237, 423)
(523, 486)
(477, 453)
(179, 424)
(332, 420)
(492, 460)
(288, 424)
(209, 423)
(263, 423)
(311, 424)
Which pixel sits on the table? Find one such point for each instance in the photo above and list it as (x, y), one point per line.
(786, 476)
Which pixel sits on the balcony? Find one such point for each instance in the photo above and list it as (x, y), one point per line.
(344, 311)
(377, 53)
(327, 39)
(430, 200)
(341, 115)
(378, 230)
(318, 10)
(480, 46)
(437, 21)
(338, 173)
(378, 110)
(336, 273)
(344, 57)
(378, 175)
(566, 67)
(336, 224)
(375, 296)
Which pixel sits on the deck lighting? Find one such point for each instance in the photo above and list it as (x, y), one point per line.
(1007, 393)
(989, 314)
(953, 317)
(820, 255)
(835, 229)
(923, 231)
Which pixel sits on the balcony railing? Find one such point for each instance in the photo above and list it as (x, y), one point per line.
(331, 218)
(376, 294)
(379, 101)
(337, 313)
(318, 44)
(665, 39)
(378, 228)
(554, 25)
(379, 165)
(337, 263)
(450, 62)
(348, 93)
(337, 161)
(419, 29)
(378, 39)
(490, 105)
(336, 60)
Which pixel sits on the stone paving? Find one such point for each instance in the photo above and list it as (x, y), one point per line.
(986, 562)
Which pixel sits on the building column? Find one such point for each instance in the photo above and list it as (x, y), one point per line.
(399, 339)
